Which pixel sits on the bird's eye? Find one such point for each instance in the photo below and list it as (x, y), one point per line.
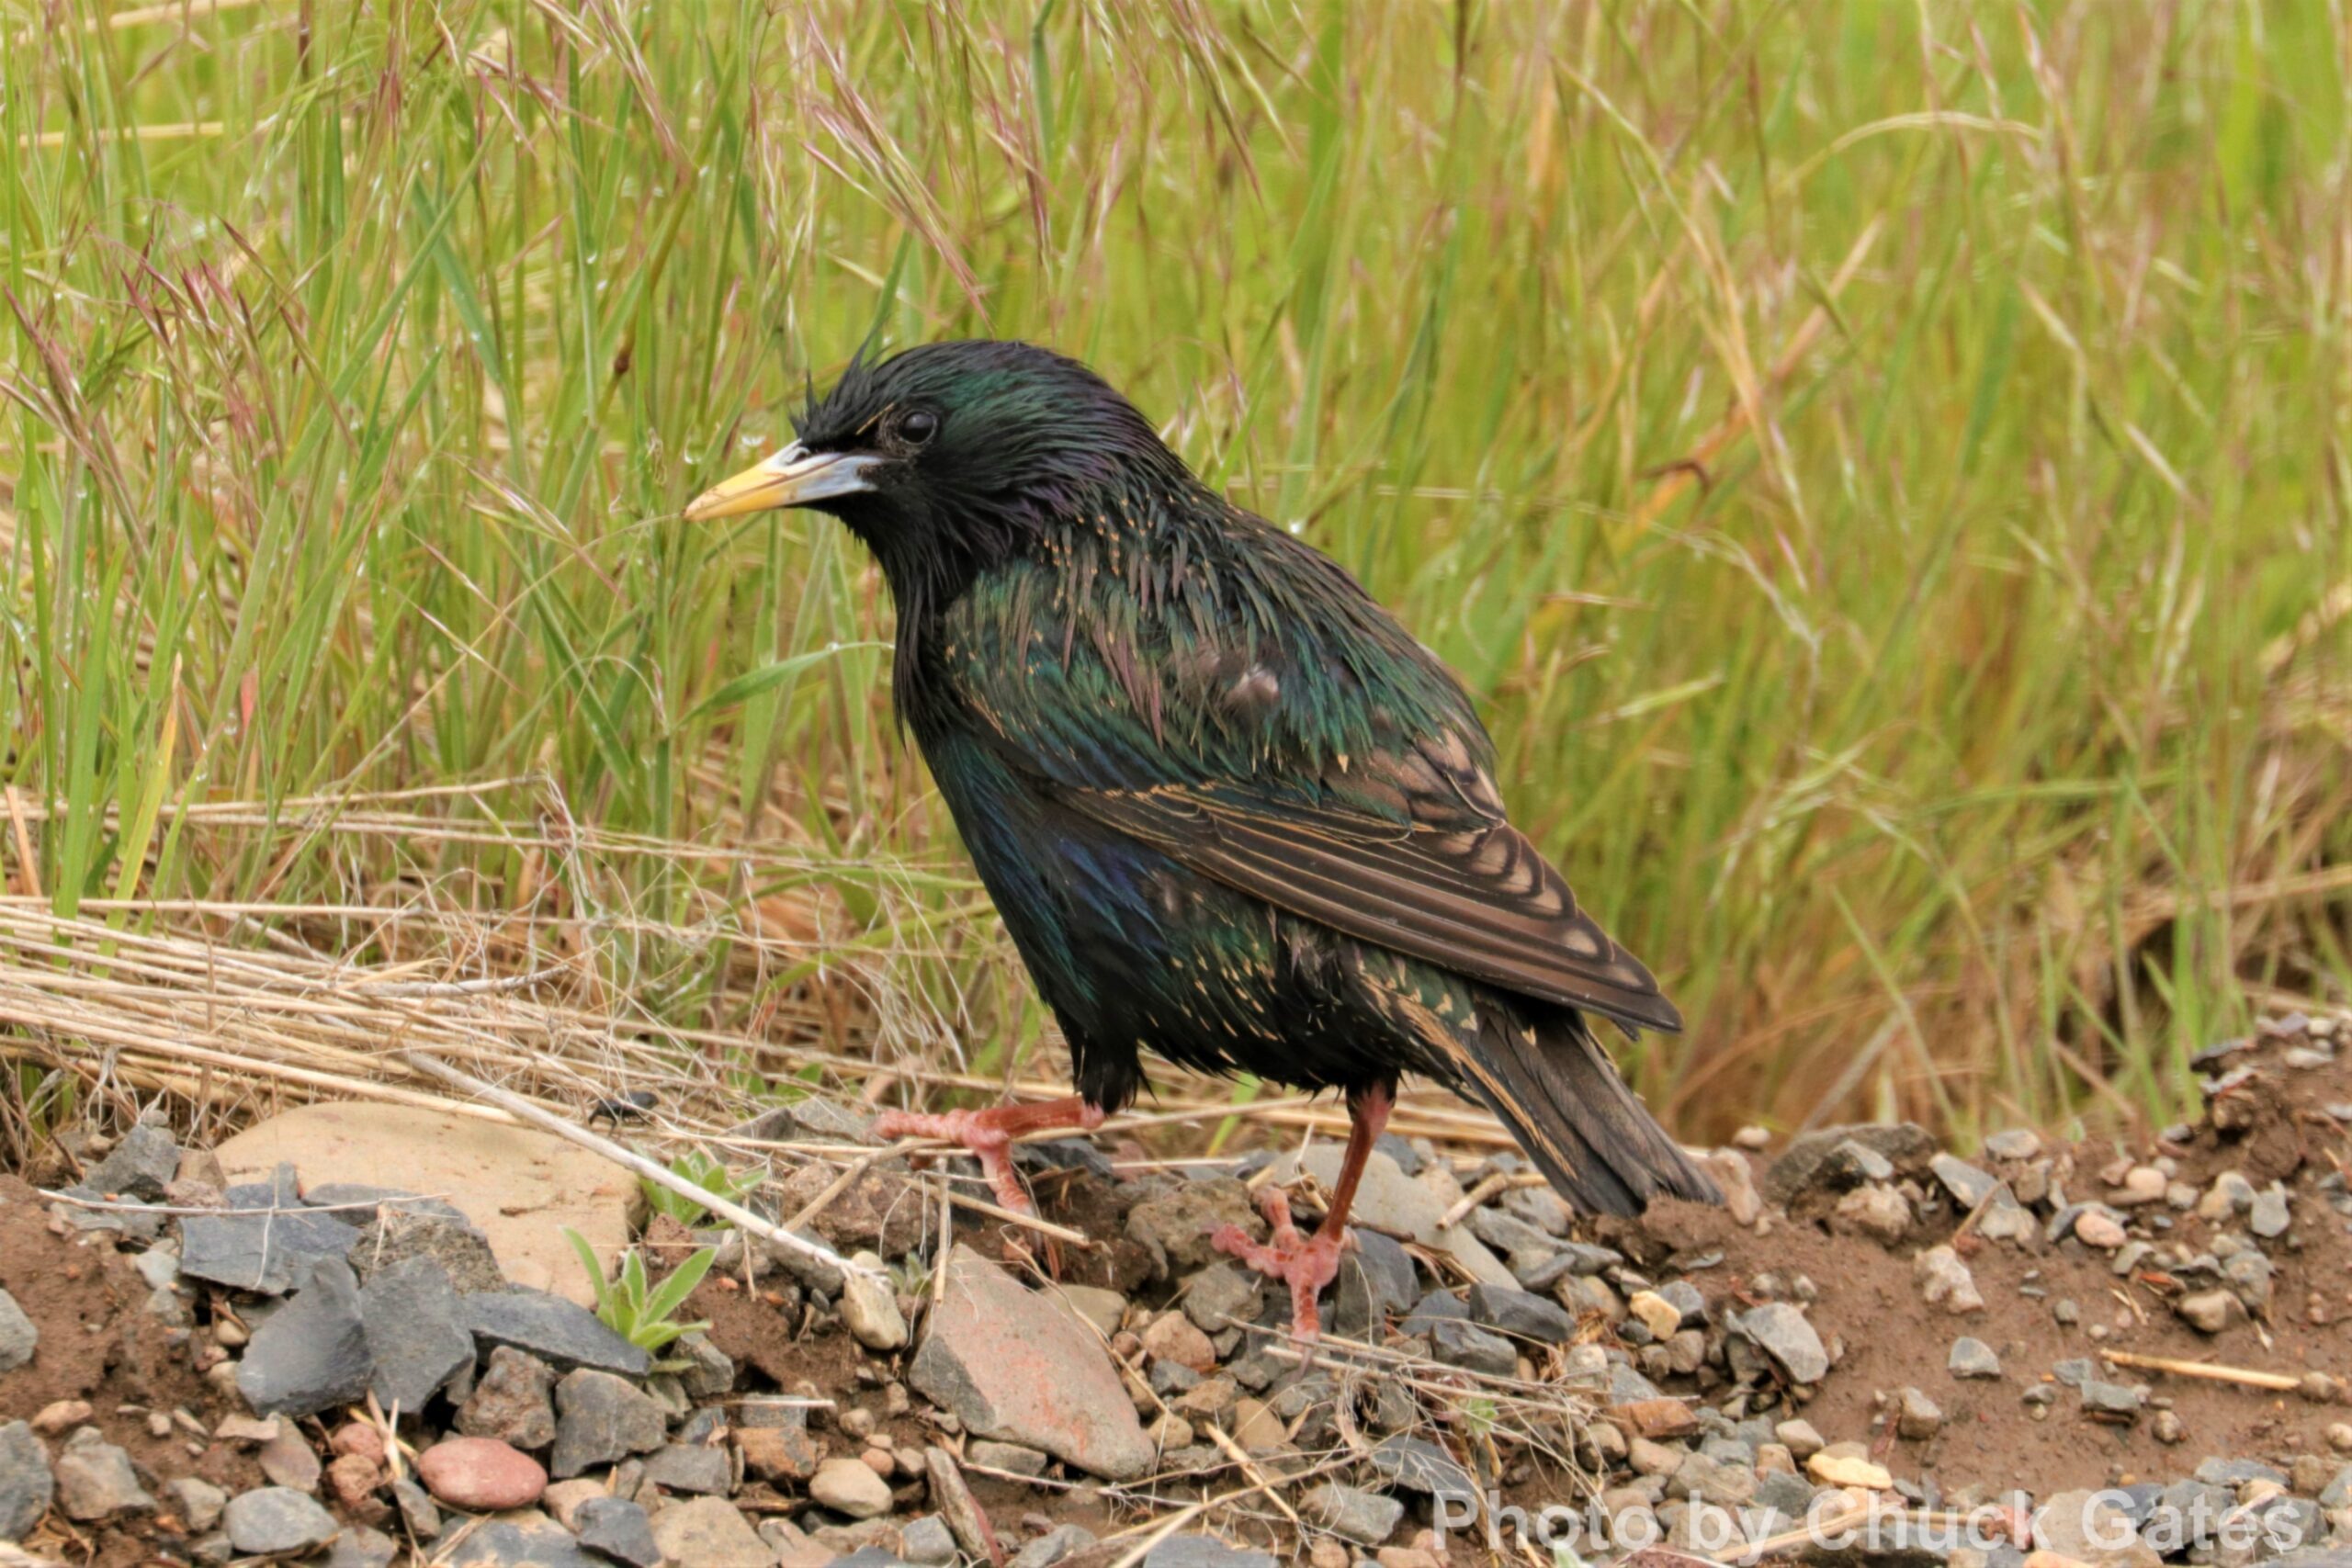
(917, 427)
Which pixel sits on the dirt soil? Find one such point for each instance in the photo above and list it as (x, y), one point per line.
(1892, 1337)
(98, 1343)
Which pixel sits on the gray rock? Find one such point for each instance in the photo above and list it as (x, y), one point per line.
(690, 1466)
(1806, 1163)
(1973, 1358)
(2236, 1472)
(1063, 1540)
(601, 1420)
(2013, 1143)
(269, 1254)
(139, 1167)
(1507, 1233)
(561, 1333)
(708, 1532)
(140, 1224)
(619, 1529)
(927, 1541)
(2110, 1402)
(419, 1513)
(416, 1332)
(1459, 1343)
(463, 1252)
(1174, 1226)
(2211, 1312)
(1416, 1464)
(19, 1335)
(272, 1521)
(1377, 1281)
(538, 1543)
(1017, 1374)
(197, 1503)
(1226, 1294)
(709, 1372)
(1438, 1306)
(869, 1307)
(1785, 1335)
(513, 1401)
(1203, 1552)
(26, 1486)
(1351, 1513)
(342, 1195)
(1013, 1458)
(2268, 1216)
(1967, 1185)
(1520, 1314)
(1918, 1417)
(362, 1547)
(311, 1353)
(94, 1479)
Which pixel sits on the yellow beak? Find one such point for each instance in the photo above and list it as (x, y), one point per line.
(793, 476)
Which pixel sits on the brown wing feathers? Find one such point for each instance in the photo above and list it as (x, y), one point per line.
(1479, 900)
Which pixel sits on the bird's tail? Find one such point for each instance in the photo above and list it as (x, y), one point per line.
(1543, 1072)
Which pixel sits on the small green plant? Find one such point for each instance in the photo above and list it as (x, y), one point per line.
(706, 1173)
(631, 1309)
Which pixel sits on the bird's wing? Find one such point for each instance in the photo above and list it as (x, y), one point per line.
(1290, 740)
(1473, 897)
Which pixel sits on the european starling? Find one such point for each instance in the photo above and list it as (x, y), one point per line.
(1229, 810)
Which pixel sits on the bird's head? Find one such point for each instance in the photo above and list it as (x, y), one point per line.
(946, 455)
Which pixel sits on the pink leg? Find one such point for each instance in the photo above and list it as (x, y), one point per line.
(1307, 1266)
(989, 1135)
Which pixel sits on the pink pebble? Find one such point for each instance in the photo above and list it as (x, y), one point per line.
(480, 1474)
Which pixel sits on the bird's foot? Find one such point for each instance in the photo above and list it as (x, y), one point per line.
(1306, 1264)
(987, 1136)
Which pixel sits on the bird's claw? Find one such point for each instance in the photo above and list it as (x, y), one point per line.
(982, 1136)
(1305, 1265)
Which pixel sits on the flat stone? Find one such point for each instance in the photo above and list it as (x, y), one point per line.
(288, 1459)
(554, 1328)
(2085, 1526)
(619, 1529)
(952, 1496)
(691, 1467)
(513, 1399)
(418, 1513)
(1918, 1417)
(1967, 1185)
(2014, 1144)
(395, 1235)
(139, 1167)
(1010, 1372)
(194, 1502)
(311, 1353)
(360, 1546)
(1203, 1552)
(1174, 1225)
(1520, 1314)
(274, 1521)
(850, 1486)
(94, 1479)
(927, 1541)
(1402, 1206)
(785, 1453)
(2211, 1312)
(1786, 1335)
(19, 1336)
(1973, 1358)
(1056, 1544)
(480, 1475)
(27, 1483)
(2268, 1216)
(602, 1420)
(416, 1331)
(1465, 1344)
(1376, 1280)
(1416, 1464)
(265, 1253)
(1816, 1159)
(1012, 1458)
(522, 1186)
(1845, 1470)
(708, 1532)
(353, 1198)
(524, 1539)
(1225, 1293)
(1351, 1513)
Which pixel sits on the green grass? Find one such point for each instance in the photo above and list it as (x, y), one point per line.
(1971, 746)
